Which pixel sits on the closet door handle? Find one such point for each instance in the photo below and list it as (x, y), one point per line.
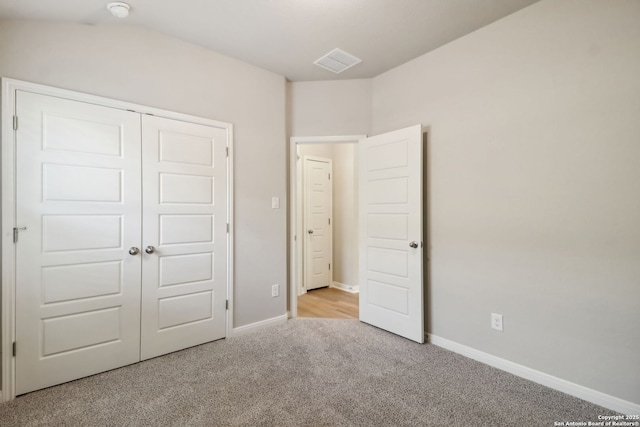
(149, 249)
(133, 250)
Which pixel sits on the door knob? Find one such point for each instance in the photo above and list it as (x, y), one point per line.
(310, 231)
(413, 244)
(133, 250)
(149, 249)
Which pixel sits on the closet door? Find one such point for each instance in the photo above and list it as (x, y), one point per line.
(78, 198)
(184, 235)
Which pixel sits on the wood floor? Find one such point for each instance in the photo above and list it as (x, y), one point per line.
(329, 303)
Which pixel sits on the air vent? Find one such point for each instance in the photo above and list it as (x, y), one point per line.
(337, 61)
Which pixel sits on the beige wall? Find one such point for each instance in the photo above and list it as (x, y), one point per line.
(324, 108)
(318, 150)
(534, 187)
(345, 213)
(141, 66)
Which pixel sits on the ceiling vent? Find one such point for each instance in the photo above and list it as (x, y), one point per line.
(337, 61)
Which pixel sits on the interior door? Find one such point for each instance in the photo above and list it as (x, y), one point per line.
(391, 279)
(77, 213)
(184, 235)
(317, 220)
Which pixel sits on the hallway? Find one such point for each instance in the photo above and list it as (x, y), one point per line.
(328, 303)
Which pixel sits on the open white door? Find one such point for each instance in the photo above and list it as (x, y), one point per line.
(391, 290)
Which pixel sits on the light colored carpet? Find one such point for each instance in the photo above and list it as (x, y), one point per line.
(306, 372)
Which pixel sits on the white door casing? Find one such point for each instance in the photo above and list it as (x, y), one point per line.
(390, 211)
(184, 226)
(317, 222)
(78, 195)
(72, 188)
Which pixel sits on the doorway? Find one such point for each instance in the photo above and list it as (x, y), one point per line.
(317, 212)
(392, 211)
(337, 296)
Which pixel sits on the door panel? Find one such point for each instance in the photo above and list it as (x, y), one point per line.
(78, 195)
(391, 285)
(317, 220)
(184, 219)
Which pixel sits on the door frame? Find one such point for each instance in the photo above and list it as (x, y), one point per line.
(295, 214)
(8, 200)
(303, 202)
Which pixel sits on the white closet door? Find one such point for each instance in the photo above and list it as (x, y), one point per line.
(78, 195)
(391, 285)
(184, 217)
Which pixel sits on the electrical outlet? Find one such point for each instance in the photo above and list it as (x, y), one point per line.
(496, 321)
(275, 291)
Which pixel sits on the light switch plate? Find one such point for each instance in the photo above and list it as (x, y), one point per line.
(275, 202)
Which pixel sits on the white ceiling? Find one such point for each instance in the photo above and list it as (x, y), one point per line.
(286, 36)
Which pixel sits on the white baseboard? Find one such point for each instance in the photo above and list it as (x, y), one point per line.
(256, 325)
(581, 392)
(354, 289)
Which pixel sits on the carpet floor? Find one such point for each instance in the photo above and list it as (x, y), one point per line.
(305, 372)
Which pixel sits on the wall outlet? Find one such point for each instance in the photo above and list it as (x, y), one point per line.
(275, 290)
(496, 321)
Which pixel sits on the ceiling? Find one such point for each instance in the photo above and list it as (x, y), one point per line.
(286, 36)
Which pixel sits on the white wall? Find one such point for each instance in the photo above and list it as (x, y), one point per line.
(534, 182)
(144, 67)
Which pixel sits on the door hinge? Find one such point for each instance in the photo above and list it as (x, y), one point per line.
(226, 305)
(13, 351)
(17, 230)
(329, 176)
(329, 221)
(227, 228)
(329, 266)
(227, 151)
(15, 122)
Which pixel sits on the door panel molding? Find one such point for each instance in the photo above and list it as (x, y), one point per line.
(8, 215)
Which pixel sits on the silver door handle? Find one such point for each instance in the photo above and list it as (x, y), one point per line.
(133, 250)
(149, 249)
(310, 231)
(413, 244)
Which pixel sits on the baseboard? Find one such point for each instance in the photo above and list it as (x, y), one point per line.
(576, 390)
(260, 324)
(354, 289)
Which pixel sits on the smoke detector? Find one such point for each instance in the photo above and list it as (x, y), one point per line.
(119, 9)
(337, 61)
